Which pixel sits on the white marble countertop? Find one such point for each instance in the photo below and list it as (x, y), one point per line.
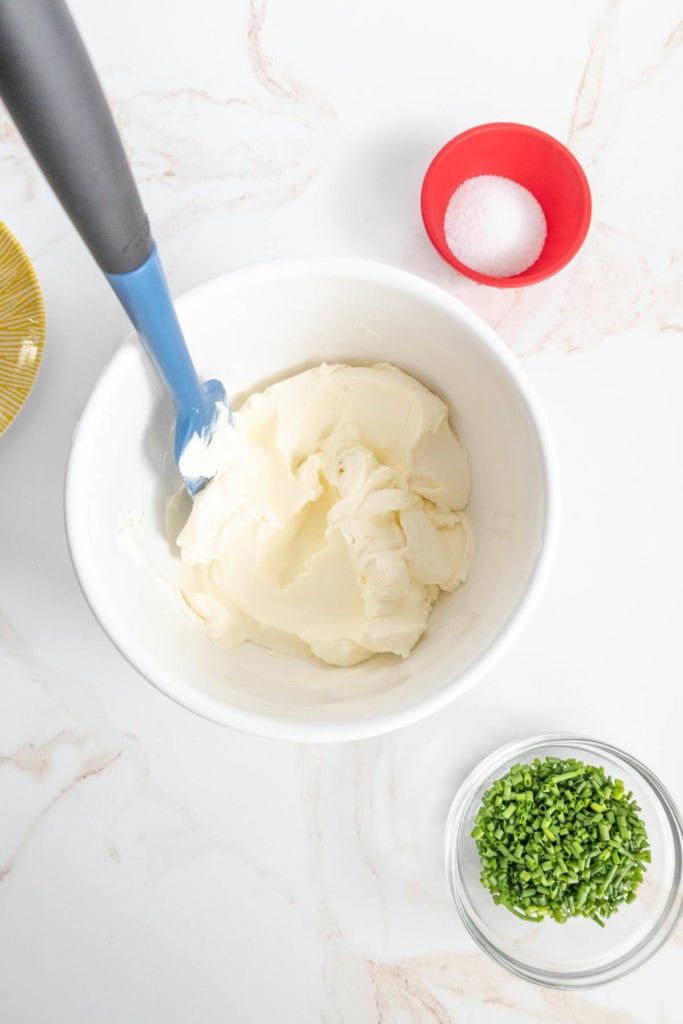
(155, 867)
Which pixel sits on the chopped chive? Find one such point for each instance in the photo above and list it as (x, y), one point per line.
(559, 839)
(568, 775)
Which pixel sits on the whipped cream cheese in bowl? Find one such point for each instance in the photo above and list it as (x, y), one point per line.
(333, 518)
(464, 453)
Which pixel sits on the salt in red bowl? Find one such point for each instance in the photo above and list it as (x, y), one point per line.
(533, 159)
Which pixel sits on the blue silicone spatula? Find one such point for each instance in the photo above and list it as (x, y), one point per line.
(54, 97)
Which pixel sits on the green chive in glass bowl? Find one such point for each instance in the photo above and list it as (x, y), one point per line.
(576, 953)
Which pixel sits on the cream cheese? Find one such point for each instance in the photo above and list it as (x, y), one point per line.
(334, 517)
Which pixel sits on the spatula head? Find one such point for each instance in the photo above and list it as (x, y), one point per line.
(201, 421)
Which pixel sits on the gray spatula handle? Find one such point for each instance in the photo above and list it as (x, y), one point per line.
(54, 97)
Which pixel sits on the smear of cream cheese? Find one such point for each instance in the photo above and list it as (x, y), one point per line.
(333, 519)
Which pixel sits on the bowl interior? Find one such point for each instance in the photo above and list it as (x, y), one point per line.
(579, 952)
(532, 158)
(253, 327)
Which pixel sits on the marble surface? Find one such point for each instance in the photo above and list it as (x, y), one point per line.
(155, 867)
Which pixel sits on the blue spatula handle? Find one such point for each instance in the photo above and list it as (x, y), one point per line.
(54, 96)
(144, 295)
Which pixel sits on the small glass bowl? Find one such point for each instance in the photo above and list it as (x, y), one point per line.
(579, 953)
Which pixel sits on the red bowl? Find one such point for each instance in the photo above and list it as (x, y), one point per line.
(528, 156)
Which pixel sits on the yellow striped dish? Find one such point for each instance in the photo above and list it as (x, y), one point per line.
(22, 327)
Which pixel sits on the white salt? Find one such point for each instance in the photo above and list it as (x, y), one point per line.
(495, 226)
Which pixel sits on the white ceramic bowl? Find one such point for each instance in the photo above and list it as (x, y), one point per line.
(249, 328)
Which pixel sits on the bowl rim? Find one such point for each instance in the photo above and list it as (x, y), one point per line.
(272, 726)
(485, 771)
(528, 276)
